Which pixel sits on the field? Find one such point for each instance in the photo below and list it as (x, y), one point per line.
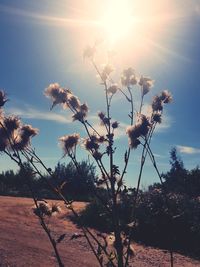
(23, 242)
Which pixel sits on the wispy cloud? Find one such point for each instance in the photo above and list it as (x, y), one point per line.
(56, 21)
(33, 113)
(188, 149)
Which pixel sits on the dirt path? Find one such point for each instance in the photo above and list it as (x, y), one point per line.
(23, 243)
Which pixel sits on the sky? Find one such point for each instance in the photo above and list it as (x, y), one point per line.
(42, 42)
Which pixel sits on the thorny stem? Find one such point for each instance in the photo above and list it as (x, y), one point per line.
(115, 216)
(143, 158)
(129, 150)
(85, 230)
(42, 222)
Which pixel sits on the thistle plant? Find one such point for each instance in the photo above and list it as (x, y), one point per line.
(15, 141)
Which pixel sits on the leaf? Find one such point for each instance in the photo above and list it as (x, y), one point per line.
(61, 237)
(115, 170)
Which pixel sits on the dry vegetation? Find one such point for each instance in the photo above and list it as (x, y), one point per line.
(24, 243)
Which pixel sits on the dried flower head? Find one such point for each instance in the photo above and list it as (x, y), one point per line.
(113, 89)
(97, 155)
(11, 123)
(134, 132)
(73, 102)
(157, 117)
(101, 139)
(84, 108)
(166, 97)
(128, 77)
(3, 98)
(115, 124)
(24, 135)
(28, 131)
(57, 94)
(146, 84)
(79, 116)
(91, 143)
(69, 142)
(128, 72)
(89, 52)
(157, 104)
(43, 209)
(55, 208)
(108, 68)
(101, 115)
(81, 113)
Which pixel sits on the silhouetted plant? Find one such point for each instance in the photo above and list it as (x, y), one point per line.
(115, 249)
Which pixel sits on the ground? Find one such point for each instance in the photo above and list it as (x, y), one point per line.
(23, 242)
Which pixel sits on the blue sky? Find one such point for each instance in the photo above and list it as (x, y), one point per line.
(42, 42)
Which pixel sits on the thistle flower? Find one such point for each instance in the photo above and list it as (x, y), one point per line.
(112, 89)
(157, 104)
(166, 97)
(133, 80)
(157, 117)
(28, 131)
(146, 84)
(101, 115)
(84, 108)
(128, 77)
(89, 52)
(69, 142)
(11, 123)
(91, 143)
(23, 139)
(79, 116)
(74, 102)
(128, 72)
(57, 94)
(134, 132)
(43, 209)
(106, 71)
(3, 98)
(115, 124)
(101, 139)
(97, 155)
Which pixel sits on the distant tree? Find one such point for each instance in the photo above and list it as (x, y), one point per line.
(175, 179)
(76, 182)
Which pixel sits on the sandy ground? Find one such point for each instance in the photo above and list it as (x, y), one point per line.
(23, 242)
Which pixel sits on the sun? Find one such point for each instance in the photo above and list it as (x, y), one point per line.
(117, 20)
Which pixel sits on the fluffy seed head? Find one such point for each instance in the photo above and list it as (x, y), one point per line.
(11, 123)
(146, 84)
(3, 98)
(113, 89)
(57, 94)
(68, 142)
(89, 52)
(166, 97)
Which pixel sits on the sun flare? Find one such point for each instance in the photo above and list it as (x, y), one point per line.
(118, 20)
